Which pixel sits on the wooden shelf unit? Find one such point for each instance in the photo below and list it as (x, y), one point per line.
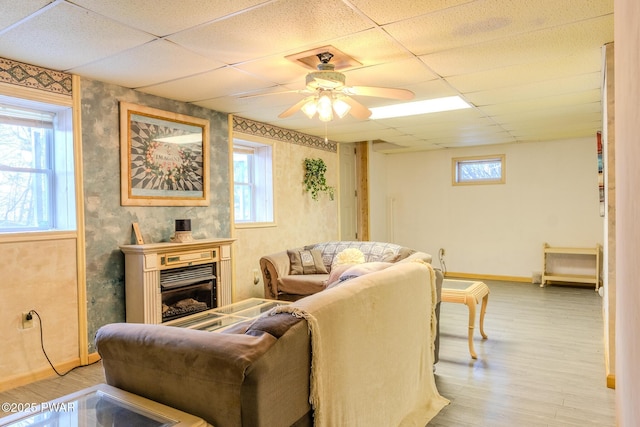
(549, 276)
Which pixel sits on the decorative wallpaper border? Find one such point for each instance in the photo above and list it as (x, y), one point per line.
(251, 127)
(18, 73)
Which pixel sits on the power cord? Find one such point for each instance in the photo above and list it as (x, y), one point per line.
(32, 312)
(443, 266)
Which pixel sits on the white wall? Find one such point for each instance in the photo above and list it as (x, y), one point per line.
(550, 195)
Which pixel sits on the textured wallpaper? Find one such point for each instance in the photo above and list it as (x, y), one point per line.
(107, 224)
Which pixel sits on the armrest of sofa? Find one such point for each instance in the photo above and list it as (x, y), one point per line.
(198, 372)
(274, 266)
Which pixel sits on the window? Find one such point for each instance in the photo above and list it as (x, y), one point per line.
(479, 170)
(37, 191)
(252, 182)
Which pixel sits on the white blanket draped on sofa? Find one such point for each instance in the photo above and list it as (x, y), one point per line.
(372, 362)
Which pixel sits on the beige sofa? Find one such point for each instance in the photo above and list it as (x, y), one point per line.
(284, 280)
(258, 374)
(280, 283)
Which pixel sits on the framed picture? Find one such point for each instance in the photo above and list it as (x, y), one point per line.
(164, 158)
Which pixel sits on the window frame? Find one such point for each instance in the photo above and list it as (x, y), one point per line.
(60, 169)
(457, 161)
(262, 165)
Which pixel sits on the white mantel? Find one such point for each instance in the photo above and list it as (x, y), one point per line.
(143, 264)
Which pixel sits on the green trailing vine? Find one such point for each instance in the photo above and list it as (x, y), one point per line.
(314, 180)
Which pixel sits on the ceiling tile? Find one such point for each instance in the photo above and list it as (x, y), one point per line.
(221, 82)
(529, 48)
(163, 17)
(565, 131)
(486, 20)
(550, 116)
(13, 11)
(542, 103)
(550, 88)
(156, 62)
(278, 70)
(413, 71)
(38, 41)
(579, 63)
(290, 24)
(384, 12)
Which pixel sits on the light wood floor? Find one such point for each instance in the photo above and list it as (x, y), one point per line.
(542, 365)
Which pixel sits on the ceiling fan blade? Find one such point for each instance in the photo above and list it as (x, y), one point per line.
(358, 110)
(380, 92)
(295, 107)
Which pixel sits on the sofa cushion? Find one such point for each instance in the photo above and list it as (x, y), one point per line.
(306, 261)
(300, 284)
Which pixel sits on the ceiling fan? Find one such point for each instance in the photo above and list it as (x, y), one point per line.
(328, 94)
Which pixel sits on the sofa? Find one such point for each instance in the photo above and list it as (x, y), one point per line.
(282, 281)
(321, 360)
(284, 278)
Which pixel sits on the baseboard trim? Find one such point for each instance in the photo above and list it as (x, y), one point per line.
(43, 373)
(611, 381)
(93, 358)
(451, 274)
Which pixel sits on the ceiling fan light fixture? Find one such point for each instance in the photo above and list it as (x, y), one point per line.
(325, 108)
(310, 108)
(341, 108)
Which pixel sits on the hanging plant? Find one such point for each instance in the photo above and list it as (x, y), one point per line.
(314, 180)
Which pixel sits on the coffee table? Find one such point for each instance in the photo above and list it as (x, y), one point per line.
(101, 405)
(223, 317)
(469, 293)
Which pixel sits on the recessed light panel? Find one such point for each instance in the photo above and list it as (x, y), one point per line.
(426, 106)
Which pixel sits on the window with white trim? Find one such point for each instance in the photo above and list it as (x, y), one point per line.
(479, 170)
(37, 189)
(252, 182)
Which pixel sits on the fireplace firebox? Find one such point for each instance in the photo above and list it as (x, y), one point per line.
(187, 290)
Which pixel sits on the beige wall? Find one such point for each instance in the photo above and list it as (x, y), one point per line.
(299, 219)
(627, 128)
(550, 195)
(39, 275)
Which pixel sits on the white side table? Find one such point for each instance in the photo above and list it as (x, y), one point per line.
(469, 293)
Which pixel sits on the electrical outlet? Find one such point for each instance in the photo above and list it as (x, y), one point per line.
(442, 252)
(27, 320)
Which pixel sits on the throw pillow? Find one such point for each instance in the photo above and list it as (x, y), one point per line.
(336, 272)
(349, 256)
(390, 256)
(306, 261)
(362, 269)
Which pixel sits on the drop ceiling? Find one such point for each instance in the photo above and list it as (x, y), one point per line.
(530, 68)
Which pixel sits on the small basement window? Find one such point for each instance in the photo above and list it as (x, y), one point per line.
(478, 170)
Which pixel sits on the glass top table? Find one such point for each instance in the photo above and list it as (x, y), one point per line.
(100, 405)
(218, 319)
